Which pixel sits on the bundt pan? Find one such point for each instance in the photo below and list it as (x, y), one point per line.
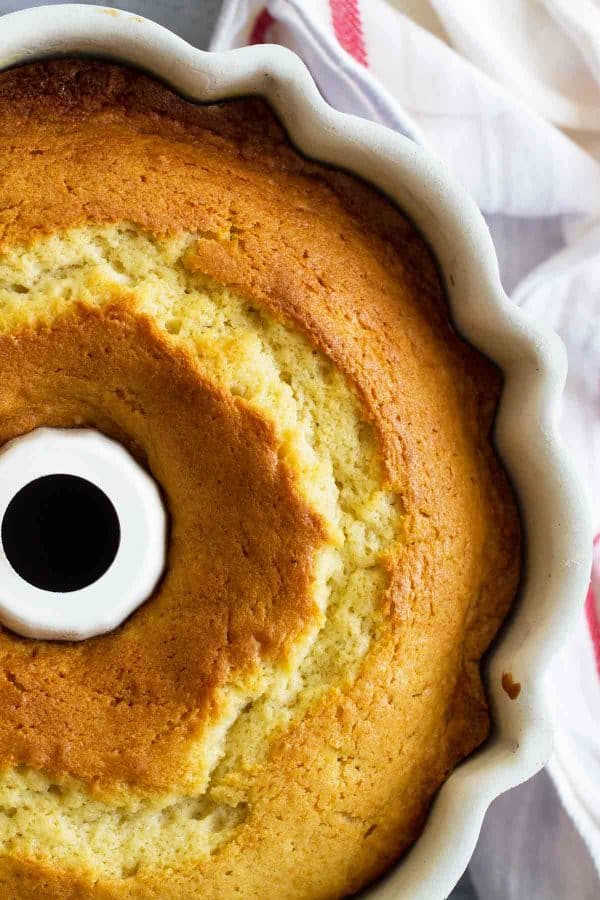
(557, 549)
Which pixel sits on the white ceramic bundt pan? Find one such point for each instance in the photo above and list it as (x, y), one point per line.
(554, 508)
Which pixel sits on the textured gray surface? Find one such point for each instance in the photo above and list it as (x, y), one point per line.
(192, 19)
(529, 849)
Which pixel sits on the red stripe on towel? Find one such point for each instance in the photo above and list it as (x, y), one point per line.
(347, 24)
(263, 22)
(591, 611)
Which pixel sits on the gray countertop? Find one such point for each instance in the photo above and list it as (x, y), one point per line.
(528, 849)
(192, 19)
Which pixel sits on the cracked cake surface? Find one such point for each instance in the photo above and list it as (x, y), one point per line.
(269, 337)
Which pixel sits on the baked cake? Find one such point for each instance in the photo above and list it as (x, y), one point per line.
(270, 338)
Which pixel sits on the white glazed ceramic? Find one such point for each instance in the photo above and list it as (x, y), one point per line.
(556, 518)
(140, 559)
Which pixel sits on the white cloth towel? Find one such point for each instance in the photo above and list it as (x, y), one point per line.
(492, 111)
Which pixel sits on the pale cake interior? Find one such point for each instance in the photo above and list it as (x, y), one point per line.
(332, 450)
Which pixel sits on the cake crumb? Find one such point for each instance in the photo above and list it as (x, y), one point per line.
(510, 687)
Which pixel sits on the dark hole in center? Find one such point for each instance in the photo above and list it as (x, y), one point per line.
(60, 533)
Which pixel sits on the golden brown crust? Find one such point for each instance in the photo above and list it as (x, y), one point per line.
(123, 707)
(346, 789)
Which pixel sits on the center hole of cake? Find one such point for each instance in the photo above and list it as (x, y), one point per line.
(60, 533)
